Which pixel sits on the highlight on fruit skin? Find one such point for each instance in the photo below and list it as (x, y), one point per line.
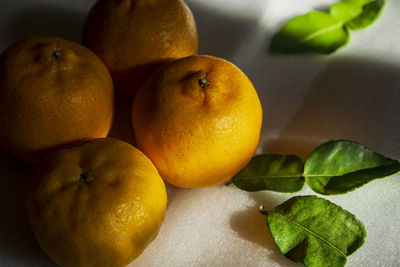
(199, 120)
(53, 93)
(136, 37)
(100, 203)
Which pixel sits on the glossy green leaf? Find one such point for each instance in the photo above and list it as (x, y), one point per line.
(316, 32)
(315, 231)
(282, 173)
(347, 10)
(337, 167)
(370, 14)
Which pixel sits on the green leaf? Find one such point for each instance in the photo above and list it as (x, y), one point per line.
(337, 167)
(370, 14)
(282, 173)
(316, 32)
(315, 231)
(359, 2)
(347, 10)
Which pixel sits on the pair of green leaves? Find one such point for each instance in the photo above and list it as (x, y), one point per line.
(335, 167)
(321, 32)
(315, 231)
(310, 229)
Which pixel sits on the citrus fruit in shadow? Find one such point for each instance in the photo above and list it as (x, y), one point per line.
(199, 120)
(53, 92)
(97, 204)
(135, 37)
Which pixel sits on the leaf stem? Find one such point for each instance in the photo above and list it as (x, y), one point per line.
(87, 177)
(262, 210)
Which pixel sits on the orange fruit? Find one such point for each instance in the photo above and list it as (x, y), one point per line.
(135, 37)
(199, 120)
(53, 92)
(97, 204)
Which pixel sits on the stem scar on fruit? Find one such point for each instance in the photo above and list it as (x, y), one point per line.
(87, 177)
(195, 85)
(57, 54)
(203, 82)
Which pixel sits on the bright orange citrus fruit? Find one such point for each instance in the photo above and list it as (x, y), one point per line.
(199, 120)
(53, 92)
(97, 204)
(135, 37)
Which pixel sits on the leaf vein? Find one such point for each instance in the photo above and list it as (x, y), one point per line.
(319, 32)
(352, 172)
(311, 232)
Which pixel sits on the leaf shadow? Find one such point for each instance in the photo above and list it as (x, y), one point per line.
(250, 225)
(322, 8)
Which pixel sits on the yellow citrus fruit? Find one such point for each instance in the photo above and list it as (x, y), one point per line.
(97, 204)
(199, 120)
(135, 37)
(53, 92)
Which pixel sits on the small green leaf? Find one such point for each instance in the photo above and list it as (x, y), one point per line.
(281, 173)
(316, 32)
(359, 2)
(337, 167)
(315, 231)
(347, 10)
(370, 14)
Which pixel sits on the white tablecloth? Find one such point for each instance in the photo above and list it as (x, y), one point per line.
(307, 99)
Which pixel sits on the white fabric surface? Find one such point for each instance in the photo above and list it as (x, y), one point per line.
(307, 99)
